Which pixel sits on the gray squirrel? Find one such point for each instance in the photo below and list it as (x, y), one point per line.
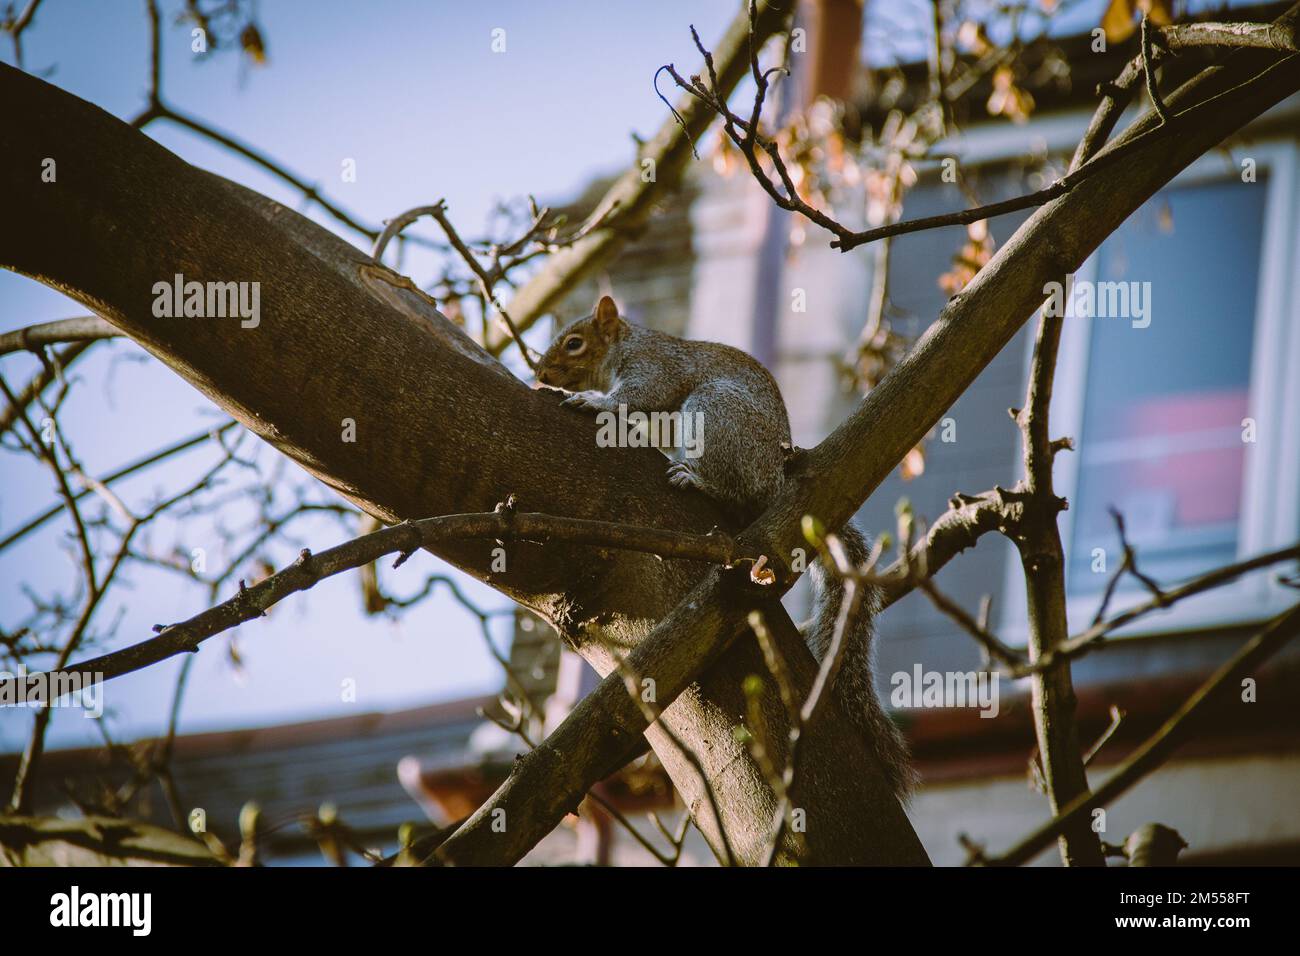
(603, 362)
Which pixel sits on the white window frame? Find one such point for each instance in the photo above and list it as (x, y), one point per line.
(1270, 511)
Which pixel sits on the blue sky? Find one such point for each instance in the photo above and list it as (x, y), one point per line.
(411, 91)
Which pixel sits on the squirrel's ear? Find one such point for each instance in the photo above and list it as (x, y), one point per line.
(606, 318)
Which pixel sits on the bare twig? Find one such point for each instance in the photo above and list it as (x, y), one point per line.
(1116, 719)
(1149, 73)
(1095, 634)
(158, 109)
(97, 586)
(993, 645)
(393, 227)
(968, 518)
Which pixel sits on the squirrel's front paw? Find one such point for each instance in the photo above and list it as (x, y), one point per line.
(591, 400)
(681, 474)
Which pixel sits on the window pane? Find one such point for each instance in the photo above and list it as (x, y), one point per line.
(1162, 433)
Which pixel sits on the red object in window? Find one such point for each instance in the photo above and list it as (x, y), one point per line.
(1203, 464)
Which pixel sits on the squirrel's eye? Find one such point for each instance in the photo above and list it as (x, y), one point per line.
(574, 344)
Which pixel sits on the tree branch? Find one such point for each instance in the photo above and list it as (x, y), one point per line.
(1038, 539)
(83, 329)
(968, 518)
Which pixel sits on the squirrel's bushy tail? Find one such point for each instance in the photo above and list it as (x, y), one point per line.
(853, 685)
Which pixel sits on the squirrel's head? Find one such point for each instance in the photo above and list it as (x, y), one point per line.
(577, 359)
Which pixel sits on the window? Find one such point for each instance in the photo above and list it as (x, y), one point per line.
(1168, 385)
(1178, 382)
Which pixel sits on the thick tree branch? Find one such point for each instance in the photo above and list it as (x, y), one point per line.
(1280, 36)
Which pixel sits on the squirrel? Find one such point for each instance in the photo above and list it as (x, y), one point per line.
(603, 361)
